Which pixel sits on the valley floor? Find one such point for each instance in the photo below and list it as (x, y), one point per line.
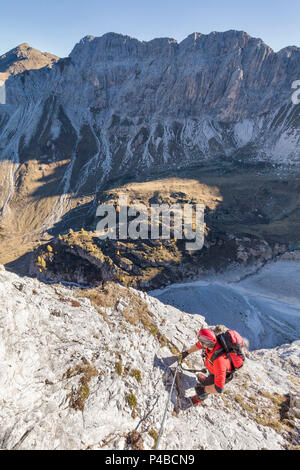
(264, 307)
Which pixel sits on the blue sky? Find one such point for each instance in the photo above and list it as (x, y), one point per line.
(57, 25)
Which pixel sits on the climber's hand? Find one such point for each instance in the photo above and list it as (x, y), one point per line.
(182, 356)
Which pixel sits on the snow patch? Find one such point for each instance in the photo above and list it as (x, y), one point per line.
(243, 132)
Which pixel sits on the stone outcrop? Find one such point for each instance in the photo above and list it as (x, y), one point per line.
(84, 369)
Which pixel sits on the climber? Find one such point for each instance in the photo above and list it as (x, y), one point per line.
(222, 354)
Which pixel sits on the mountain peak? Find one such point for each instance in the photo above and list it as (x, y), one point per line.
(220, 42)
(116, 45)
(24, 57)
(24, 45)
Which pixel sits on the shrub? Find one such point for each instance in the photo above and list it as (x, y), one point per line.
(135, 440)
(174, 350)
(136, 374)
(41, 262)
(79, 396)
(242, 403)
(154, 436)
(118, 367)
(131, 400)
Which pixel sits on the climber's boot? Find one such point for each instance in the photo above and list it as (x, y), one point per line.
(200, 396)
(196, 400)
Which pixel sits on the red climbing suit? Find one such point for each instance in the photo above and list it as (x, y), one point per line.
(219, 367)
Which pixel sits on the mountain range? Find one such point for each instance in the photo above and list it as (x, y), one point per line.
(217, 108)
(88, 362)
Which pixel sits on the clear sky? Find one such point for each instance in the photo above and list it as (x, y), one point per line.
(57, 25)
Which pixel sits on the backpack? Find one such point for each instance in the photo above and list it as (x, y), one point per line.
(233, 345)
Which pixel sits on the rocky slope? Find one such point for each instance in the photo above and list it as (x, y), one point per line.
(240, 230)
(81, 258)
(118, 110)
(90, 369)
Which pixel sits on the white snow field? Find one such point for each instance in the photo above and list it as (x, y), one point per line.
(264, 307)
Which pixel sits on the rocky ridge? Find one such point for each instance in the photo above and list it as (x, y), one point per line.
(90, 369)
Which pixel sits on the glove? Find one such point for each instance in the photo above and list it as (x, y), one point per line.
(182, 356)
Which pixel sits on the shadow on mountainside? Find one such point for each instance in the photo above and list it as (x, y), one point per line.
(243, 201)
(184, 383)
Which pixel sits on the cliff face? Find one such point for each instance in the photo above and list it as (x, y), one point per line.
(226, 76)
(92, 369)
(119, 104)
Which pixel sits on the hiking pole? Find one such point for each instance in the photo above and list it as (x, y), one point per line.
(166, 408)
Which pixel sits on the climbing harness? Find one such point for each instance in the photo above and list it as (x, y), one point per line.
(167, 404)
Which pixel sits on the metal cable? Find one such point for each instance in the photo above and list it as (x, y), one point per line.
(166, 408)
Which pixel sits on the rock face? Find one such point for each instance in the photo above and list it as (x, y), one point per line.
(81, 258)
(92, 370)
(117, 104)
